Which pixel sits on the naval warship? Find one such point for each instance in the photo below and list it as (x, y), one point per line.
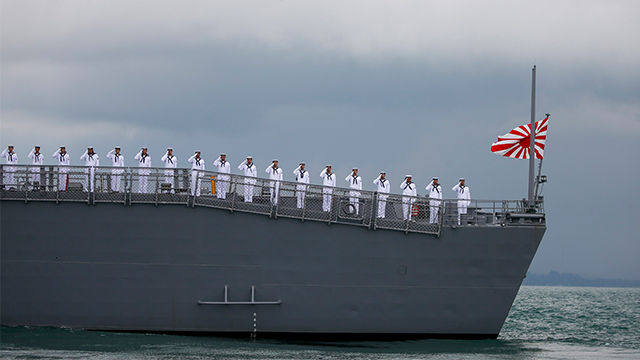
(156, 258)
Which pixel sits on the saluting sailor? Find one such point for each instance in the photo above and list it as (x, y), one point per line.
(144, 162)
(117, 161)
(170, 162)
(275, 174)
(355, 182)
(222, 182)
(434, 192)
(408, 189)
(302, 177)
(383, 189)
(197, 166)
(91, 160)
(63, 160)
(250, 172)
(464, 197)
(11, 158)
(329, 182)
(38, 160)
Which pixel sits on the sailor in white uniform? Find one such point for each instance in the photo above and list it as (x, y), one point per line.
(329, 182)
(222, 182)
(464, 197)
(408, 189)
(302, 177)
(170, 162)
(63, 160)
(250, 171)
(11, 158)
(434, 193)
(117, 161)
(91, 160)
(275, 174)
(355, 182)
(383, 189)
(144, 162)
(197, 168)
(38, 160)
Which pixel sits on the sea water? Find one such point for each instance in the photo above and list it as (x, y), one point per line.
(544, 323)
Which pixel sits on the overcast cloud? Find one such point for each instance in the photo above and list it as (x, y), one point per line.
(415, 87)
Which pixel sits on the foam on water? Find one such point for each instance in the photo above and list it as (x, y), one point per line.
(544, 323)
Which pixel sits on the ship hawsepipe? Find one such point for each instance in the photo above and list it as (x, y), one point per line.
(165, 261)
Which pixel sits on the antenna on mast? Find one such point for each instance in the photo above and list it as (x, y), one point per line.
(532, 136)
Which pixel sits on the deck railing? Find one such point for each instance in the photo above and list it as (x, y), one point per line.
(256, 195)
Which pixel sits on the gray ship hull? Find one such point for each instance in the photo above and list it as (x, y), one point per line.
(175, 268)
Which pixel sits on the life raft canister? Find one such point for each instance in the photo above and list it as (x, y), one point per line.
(415, 210)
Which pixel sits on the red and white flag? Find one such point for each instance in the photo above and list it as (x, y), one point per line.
(516, 143)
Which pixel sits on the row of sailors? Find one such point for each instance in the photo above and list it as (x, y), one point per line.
(409, 188)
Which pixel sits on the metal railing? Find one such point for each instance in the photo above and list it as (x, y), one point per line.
(261, 196)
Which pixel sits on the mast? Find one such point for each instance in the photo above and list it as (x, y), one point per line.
(532, 135)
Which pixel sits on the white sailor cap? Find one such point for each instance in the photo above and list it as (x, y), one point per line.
(302, 163)
(90, 147)
(117, 147)
(407, 176)
(383, 172)
(223, 154)
(461, 179)
(145, 148)
(10, 145)
(169, 149)
(328, 165)
(36, 146)
(434, 178)
(355, 168)
(62, 147)
(250, 157)
(198, 151)
(274, 160)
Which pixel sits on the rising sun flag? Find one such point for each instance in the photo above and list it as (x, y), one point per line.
(516, 143)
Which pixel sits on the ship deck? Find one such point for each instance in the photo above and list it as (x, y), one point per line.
(173, 186)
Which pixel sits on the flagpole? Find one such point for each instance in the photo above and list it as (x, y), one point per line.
(532, 144)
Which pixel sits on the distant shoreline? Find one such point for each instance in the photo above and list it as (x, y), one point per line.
(555, 278)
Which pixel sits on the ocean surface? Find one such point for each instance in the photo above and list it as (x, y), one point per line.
(544, 323)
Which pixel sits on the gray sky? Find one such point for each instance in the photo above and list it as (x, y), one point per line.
(420, 87)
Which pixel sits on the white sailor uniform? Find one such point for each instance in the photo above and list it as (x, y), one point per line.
(11, 158)
(464, 197)
(383, 189)
(435, 198)
(197, 165)
(170, 162)
(329, 182)
(38, 161)
(144, 162)
(222, 182)
(355, 182)
(250, 171)
(302, 177)
(117, 161)
(408, 189)
(63, 176)
(91, 161)
(275, 174)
